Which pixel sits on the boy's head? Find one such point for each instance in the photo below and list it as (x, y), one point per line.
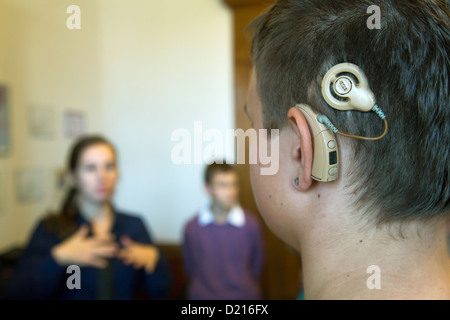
(401, 178)
(222, 184)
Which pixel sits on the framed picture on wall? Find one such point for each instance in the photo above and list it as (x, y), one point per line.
(42, 121)
(74, 123)
(4, 121)
(30, 184)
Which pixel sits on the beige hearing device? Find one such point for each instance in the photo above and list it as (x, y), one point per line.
(326, 158)
(344, 88)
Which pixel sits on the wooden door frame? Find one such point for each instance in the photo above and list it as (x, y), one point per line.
(281, 274)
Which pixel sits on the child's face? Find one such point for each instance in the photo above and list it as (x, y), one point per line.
(273, 193)
(97, 174)
(224, 189)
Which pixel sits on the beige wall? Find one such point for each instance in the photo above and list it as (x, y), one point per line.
(165, 65)
(138, 69)
(44, 65)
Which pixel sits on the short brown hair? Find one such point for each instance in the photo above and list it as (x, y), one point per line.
(214, 168)
(406, 175)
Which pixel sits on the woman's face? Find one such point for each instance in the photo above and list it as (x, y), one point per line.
(96, 174)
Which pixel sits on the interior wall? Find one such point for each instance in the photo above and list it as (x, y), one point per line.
(45, 66)
(165, 65)
(138, 70)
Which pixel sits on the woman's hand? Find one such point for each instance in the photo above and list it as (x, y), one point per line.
(139, 255)
(81, 250)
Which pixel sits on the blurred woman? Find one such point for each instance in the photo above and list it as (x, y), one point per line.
(114, 251)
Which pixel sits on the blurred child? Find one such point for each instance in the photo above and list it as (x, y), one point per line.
(223, 246)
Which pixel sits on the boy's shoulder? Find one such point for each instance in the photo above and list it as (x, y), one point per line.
(250, 219)
(193, 223)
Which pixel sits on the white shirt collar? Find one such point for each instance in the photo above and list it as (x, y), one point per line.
(236, 216)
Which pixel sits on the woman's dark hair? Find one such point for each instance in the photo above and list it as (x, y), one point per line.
(64, 222)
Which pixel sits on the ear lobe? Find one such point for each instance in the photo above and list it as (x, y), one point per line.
(300, 126)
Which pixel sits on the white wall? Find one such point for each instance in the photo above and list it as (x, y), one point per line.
(165, 65)
(139, 69)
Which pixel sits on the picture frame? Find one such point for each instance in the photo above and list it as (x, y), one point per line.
(42, 121)
(74, 123)
(30, 184)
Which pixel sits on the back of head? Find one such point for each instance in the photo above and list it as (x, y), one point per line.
(406, 175)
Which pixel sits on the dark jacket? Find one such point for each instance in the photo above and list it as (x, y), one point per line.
(38, 276)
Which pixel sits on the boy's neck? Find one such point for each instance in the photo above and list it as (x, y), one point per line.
(345, 265)
(219, 212)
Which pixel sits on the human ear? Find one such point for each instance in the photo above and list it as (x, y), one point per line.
(302, 150)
